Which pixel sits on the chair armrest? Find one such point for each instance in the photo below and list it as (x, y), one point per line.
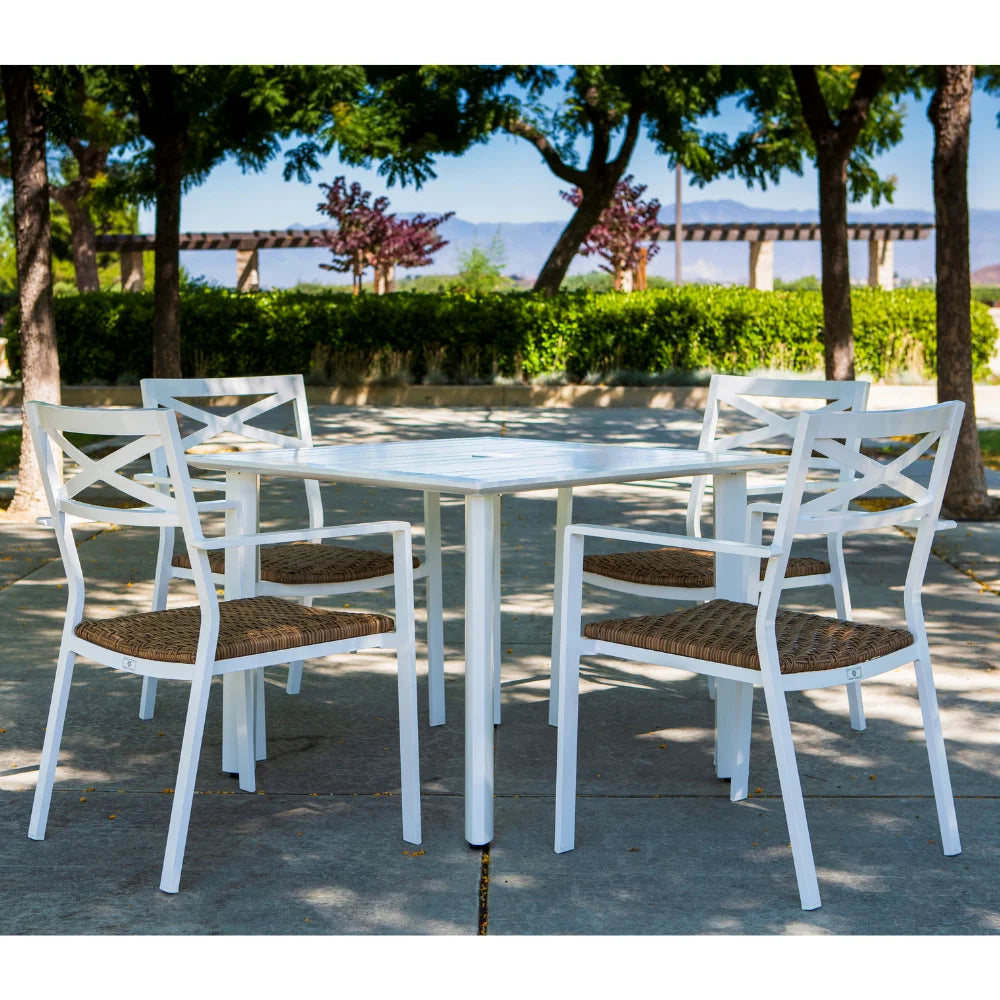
(209, 506)
(205, 506)
(303, 534)
(779, 488)
(210, 485)
(939, 525)
(763, 507)
(46, 520)
(724, 546)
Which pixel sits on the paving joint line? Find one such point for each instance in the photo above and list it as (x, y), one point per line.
(482, 915)
(984, 586)
(52, 559)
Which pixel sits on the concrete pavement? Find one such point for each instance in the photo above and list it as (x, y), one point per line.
(660, 849)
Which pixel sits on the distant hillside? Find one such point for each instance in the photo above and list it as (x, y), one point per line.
(528, 244)
(987, 275)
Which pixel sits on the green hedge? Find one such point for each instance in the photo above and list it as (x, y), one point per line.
(104, 338)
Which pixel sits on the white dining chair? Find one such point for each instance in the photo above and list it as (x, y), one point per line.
(688, 574)
(784, 651)
(196, 643)
(300, 572)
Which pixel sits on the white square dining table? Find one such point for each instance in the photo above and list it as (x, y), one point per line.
(482, 469)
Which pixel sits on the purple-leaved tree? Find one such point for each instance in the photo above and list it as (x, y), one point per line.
(367, 235)
(622, 232)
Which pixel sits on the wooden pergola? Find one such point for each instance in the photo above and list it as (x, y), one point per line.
(760, 235)
(131, 248)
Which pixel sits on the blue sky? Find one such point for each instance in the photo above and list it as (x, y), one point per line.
(505, 180)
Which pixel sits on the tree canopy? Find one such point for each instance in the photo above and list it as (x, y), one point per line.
(583, 120)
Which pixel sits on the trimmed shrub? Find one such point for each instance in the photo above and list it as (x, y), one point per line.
(105, 337)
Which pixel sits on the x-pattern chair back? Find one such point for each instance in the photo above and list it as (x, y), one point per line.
(743, 394)
(276, 391)
(149, 428)
(935, 427)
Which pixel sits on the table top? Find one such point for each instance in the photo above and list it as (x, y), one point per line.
(484, 465)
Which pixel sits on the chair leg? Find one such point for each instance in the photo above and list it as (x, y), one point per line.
(940, 778)
(50, 747)
(435, 609)
(147, 699)
(294, 683)
(842, 601)
(791, 793)
(161, 584)
(259, 716)
(187, 772)
(409, 752)
(566, 752)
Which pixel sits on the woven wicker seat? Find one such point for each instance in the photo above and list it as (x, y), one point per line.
(724, 632)
(690, 568)
(246, 627)
(304, 563)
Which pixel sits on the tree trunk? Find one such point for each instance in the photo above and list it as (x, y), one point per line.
(39, 355)
(84, 241)
(950, 112)
(596, 197)
(168, 157)
(834, 142)
(838, 325)
(358, 274)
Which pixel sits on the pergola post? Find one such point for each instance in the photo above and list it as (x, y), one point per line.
(247, 273)
(133, 273)
(880, 263)
(762, 265)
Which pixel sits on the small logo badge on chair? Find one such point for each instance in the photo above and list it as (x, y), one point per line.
(853, 673)
(128, 664)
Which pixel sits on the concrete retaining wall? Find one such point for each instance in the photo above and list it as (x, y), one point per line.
(883, 397)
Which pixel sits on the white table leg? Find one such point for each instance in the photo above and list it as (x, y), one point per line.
(497, 651)
(241, 572)
(481, 528)
(734, 699)
(435, 611)
(564, 515)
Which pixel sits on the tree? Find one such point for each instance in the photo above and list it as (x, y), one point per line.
(840, 117)
(950, 113)
(39, 356)
(367, 235)
(481, 269)
(191, 118)
(415, 113)
(88, 183)
(622, 231)
(81, 134)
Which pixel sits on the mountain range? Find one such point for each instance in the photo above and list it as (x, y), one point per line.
(527, 244)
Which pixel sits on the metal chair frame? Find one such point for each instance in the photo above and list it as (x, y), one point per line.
(154, 433)
(826, 514)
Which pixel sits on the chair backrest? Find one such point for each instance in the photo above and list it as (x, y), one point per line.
(199, 400)
(135, 435)
(928, 432)
(747, 395)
